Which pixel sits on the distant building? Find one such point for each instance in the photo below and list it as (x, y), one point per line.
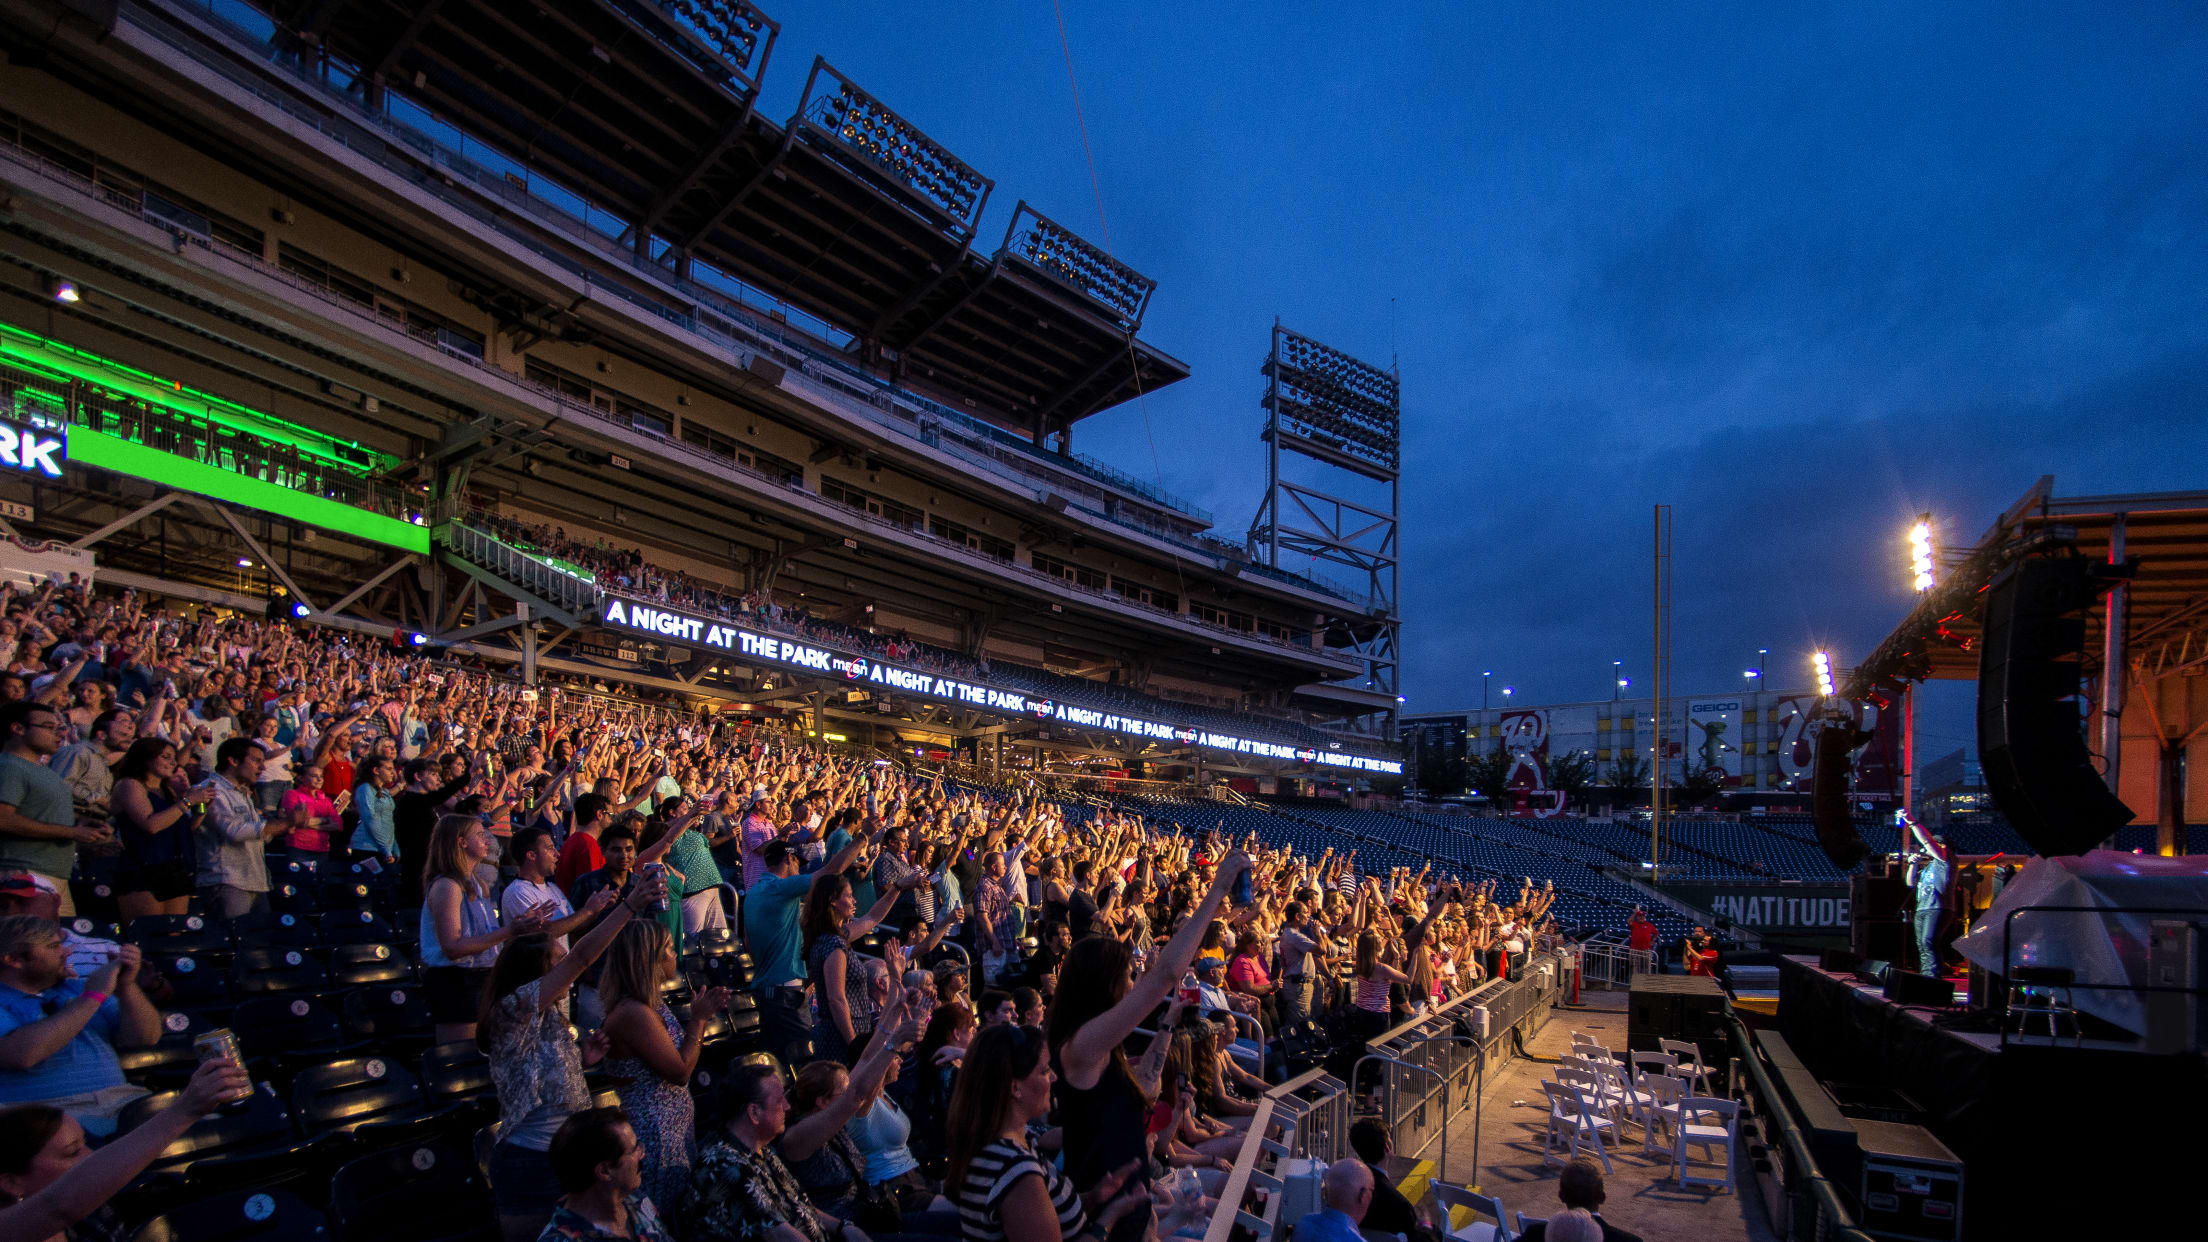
(1951, 787)
(1757, 740)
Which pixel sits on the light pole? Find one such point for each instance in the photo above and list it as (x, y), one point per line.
(1483, 688)
(1617, 677)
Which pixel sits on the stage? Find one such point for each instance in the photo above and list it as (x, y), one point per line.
(2053, 1136)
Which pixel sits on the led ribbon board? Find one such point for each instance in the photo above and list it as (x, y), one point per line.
(93, 448)
(696, 631)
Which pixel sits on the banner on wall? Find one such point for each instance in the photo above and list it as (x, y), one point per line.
(1713, 739)
(1525, 737)
(687, 629)
(30, 562)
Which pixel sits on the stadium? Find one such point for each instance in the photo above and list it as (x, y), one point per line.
(525, 511)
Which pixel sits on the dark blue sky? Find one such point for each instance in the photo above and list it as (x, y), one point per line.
(1799, 270)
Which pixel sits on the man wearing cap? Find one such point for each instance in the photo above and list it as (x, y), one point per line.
(24, 893)
(39, 831)
(754, 832)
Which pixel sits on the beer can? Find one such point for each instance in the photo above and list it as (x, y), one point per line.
(665, 901)
(221, 1044)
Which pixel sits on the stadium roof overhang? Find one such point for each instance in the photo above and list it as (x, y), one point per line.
(2166, 601)
(848, 212)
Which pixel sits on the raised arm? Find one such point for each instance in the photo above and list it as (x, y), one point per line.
(1085, 1054)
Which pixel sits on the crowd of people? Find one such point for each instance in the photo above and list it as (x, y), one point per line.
(949, 978)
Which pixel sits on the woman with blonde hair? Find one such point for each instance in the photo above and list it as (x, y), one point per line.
(460, 932)
(651, 1054)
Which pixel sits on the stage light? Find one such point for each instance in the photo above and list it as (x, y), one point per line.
(301, 611)
(244, 563)
(418, 639)
(1823, 661)
(1920, 553)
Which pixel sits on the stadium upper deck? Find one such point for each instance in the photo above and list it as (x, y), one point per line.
(305, 281)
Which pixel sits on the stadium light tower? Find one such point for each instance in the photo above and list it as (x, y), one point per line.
(1823, 663)
(1345, 414)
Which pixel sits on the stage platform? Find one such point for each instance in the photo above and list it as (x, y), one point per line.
(2053, 1136)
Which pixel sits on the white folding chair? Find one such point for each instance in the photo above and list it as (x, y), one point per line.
(1633, 1103)
(1664, 1095)
(1699, 1133)
(1690, 1060)
(1588, 1077)
(1572, 1121)
(1451, 1197)
(1645, 1063)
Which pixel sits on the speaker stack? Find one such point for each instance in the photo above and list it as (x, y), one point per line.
(2031, 740)
(1834, 755)
(1684, 1007)
(1878, 918)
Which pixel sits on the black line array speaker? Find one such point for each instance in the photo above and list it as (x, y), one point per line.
(2031, 742)
(1835, 748)
(1908, 987)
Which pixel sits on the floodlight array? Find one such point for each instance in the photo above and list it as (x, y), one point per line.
(732, 29)
(1823, 663)
(1920, 554)
(1329, 396)
(863, 125)
(1062, 253)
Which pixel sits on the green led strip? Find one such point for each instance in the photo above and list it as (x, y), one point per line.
(94, 448)
(66, 361)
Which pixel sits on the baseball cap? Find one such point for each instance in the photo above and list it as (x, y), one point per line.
(24, 884)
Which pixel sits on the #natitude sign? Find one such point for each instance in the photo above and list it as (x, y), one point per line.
(749, 644)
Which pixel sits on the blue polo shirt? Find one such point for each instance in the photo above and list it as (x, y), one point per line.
(771, 909)
(87, 1063)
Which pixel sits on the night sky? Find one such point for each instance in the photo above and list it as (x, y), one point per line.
(1799, 270)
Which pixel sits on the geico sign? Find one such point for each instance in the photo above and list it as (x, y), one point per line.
(29, 450)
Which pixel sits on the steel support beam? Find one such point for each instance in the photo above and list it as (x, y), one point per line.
(275, 570)
(128, 520)
(354, 596)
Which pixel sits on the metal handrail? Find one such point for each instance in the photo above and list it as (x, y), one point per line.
(2008, 931)
(1829, 1220)
(1237, 1187)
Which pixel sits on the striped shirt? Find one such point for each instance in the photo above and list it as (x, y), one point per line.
(995, 1169)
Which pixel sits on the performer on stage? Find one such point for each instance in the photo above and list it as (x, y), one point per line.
(1929, 870)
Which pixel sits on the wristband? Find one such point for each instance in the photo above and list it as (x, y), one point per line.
(97, 998)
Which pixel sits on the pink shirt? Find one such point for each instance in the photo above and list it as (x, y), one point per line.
(305, 803)
(1245, 971)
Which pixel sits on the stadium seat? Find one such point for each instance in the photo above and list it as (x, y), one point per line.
(431, 1192)
(293, 1030)
(354, 927)
(251, 1141)
(180, 933)
(237, 1216)
(393, 1016)
(196, 981)
(291, 898)
(273, 930)
(452, 1073)
(353, 965)
(265, 972)
(171, 1060)
(374, 1100)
